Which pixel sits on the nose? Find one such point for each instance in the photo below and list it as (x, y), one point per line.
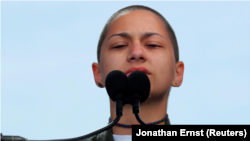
(136, 54)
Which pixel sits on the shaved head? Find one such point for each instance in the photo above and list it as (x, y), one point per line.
(127, 10)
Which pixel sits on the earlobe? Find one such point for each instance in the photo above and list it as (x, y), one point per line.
(100, 85)
(179, 71)
(97, 74)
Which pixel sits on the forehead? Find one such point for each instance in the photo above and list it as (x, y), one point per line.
(137, 21)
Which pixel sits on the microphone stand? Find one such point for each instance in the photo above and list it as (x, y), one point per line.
(136, 109)
(119, 111)
(90, 134)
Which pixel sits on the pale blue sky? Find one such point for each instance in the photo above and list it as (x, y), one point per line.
(47, 48)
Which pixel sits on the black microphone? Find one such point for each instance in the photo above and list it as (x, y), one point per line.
(116, 85)
(139, 89)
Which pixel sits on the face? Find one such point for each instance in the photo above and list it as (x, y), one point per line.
(138, 41)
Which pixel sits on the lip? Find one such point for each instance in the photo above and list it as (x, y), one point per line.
(142, 69)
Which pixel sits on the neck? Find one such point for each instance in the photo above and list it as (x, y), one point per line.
(150, 111)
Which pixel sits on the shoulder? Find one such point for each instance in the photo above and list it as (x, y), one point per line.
(106, 135)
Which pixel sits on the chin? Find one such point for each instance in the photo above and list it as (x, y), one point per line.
(158, 94)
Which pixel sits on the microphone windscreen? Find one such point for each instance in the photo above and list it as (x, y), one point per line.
(138, 82)
(116, 84)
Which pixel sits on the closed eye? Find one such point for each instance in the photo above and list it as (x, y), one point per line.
(119, 46)
(153, 45)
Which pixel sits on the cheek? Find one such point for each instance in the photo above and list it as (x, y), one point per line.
(109, 62)
(164, 70)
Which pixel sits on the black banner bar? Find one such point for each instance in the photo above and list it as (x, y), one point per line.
(163, 132)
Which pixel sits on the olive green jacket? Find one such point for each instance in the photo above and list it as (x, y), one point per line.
(108, 135)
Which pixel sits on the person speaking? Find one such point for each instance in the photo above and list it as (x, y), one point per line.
(138, 38)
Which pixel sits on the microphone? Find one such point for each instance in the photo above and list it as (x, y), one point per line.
(139, 89)
(116, 85)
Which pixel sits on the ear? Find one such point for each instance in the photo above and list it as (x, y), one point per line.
(179, 71)
(97, 75)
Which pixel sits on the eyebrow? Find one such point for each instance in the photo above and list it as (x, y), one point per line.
(123, 34)
(145, 34)
(148, 34)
